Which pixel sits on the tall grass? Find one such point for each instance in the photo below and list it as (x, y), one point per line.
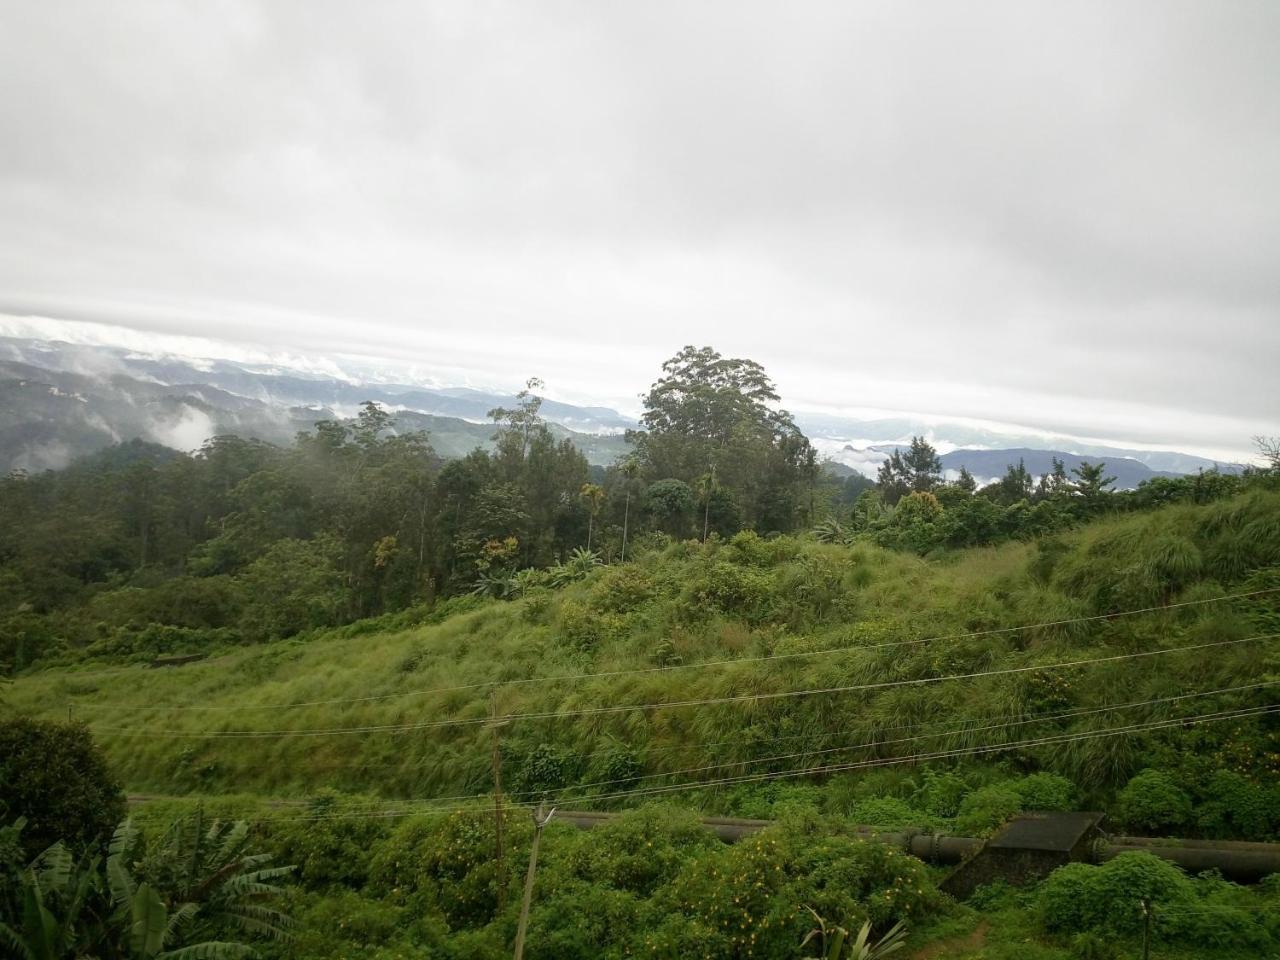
(689, 604)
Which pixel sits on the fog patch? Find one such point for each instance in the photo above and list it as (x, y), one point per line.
(186, 431)
(47, 456)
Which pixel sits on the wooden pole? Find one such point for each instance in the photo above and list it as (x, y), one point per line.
(539, 821)
(499, 852)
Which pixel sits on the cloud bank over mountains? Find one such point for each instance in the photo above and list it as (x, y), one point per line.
(1060, 215)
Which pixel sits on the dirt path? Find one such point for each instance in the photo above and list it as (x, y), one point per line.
(954, 945)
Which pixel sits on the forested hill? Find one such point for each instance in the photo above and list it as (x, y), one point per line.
(988, 465)
(143, 549)
(370, 636)
(49, 418)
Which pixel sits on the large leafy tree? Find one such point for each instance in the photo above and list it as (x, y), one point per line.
(714, 413)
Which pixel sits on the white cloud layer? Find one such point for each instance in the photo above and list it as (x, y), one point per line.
(1058, 215)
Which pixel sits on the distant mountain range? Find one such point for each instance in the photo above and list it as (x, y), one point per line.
(59, 401)
(62, 401)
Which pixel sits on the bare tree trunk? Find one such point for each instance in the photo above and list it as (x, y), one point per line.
(626, 515)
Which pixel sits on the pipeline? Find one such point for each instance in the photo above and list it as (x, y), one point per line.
(1242, 862)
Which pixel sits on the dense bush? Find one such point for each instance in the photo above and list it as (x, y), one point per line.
(1109, 899)
(331, 844)
(1153, 801)
(1080, 897)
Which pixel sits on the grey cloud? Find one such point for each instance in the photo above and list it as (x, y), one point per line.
(1071, 203)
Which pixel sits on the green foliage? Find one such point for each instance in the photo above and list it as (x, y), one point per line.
(669, 504)
(749, 895)
(445, 864)
(987, 808)
(54, 776)
(1078, 897)
(1234, 806)
(1111, 899)
(714, 416)
(1153, 801)
(642, 849)
(940, 794)
(833, 943)
(328, 847)
(888, 812)
(174, 901)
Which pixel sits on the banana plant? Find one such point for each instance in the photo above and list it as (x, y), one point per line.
(209, 883)
(54, 892)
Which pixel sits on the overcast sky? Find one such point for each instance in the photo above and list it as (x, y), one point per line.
(1065, 215)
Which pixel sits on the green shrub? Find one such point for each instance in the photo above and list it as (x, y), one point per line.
(982, 811)
(720, 587)
(888, 812)
(1152, 801)
(582, 921)
(545, 768)
(748, 899)
(447, 865)
(940, 794)
(642, 849)
(621, 590)
(1234, 807)
(1093, 946)
(1046, 791)
(333, 849)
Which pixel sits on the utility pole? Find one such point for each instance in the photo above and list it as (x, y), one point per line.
(497, 804)
(539, 821)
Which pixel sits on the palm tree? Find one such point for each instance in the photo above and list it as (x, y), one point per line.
(829, 530)
(629, 469)
(706, 486)
(593, 495)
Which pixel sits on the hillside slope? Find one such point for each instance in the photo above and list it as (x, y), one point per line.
(398, 708)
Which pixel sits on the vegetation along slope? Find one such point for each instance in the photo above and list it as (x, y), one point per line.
(713, 625)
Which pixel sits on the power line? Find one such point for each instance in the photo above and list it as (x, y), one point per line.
(427, 806)
(871, 745)
(643, 671)
(942, 754)
(955, 731)
(959, 727)
(672, 704)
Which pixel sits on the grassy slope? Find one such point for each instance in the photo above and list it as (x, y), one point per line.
(693, 603)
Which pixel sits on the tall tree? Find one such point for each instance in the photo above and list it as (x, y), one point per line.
(708, 411)
(1015, 485)
(628, 470)
(592, 495)
(918, 469)
(1092, 483)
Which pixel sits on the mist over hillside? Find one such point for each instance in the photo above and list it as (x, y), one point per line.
(65, 400)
